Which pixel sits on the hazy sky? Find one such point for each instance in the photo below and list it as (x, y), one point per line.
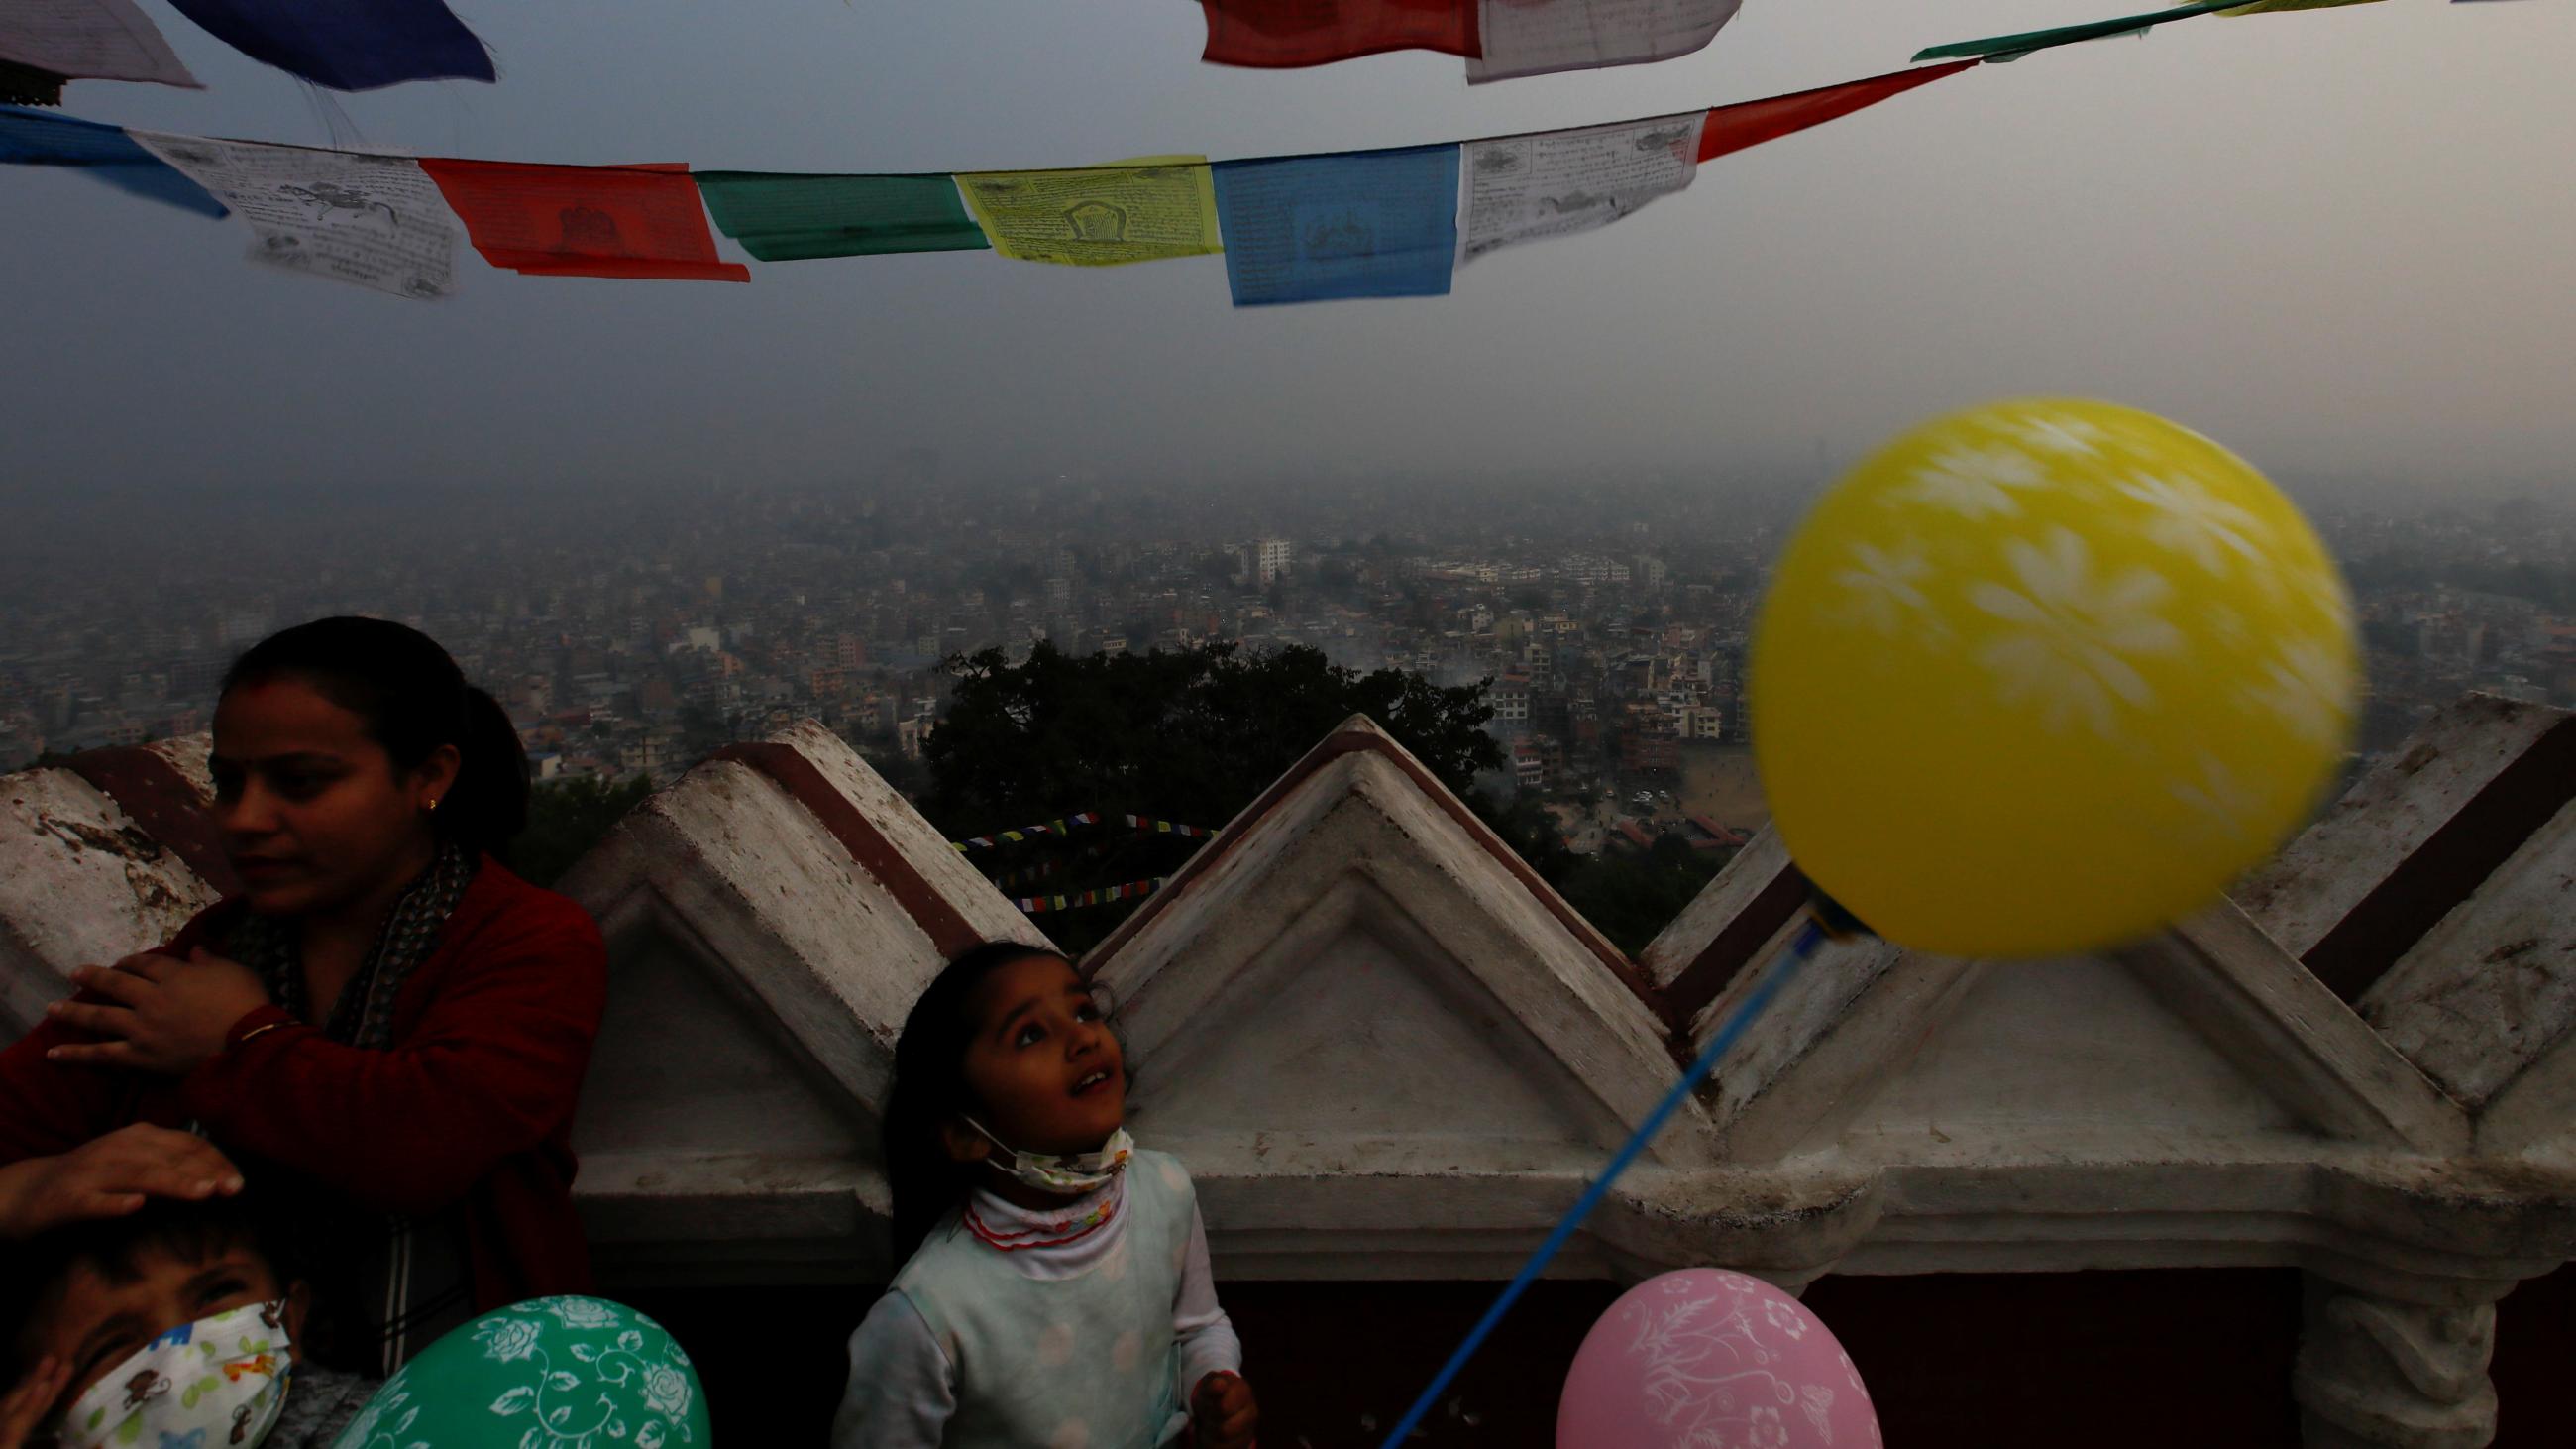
(2339, 242)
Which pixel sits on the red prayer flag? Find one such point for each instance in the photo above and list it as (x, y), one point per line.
(585, 221)
(1277, 34)
(1732, 128)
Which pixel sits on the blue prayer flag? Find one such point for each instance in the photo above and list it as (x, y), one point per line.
(345, 45)
(34, 138)
(1356, 224)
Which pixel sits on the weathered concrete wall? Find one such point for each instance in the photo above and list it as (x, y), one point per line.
(771, 917)
(82, 881)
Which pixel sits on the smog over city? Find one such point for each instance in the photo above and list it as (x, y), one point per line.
(1969, 671)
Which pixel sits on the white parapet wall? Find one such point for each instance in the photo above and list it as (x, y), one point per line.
(1388, 1050)
(770, 918)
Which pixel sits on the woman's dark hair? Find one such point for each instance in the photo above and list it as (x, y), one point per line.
(413, 699)
(930, 1087)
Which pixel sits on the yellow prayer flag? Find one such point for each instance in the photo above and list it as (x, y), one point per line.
(1139, 210)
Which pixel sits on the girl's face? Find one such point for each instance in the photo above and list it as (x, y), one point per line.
(314, 815)
(1042, 1060)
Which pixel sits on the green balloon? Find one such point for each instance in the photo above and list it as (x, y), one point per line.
(550, 1373)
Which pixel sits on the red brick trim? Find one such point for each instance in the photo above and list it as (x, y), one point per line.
(2449, 866)
(165, 805)
(869, 849)
(1736, 943)
(1357, 741)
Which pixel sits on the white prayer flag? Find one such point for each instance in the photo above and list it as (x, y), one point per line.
(1549, 183)
(89, 40)
(376, 221)
(1534, 37)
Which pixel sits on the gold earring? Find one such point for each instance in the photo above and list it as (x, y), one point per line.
(433, 804)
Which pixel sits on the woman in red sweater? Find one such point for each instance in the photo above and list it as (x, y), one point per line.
(385, 1029)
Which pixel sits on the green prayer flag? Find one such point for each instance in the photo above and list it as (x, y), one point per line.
(2010, 47)
(785, 217)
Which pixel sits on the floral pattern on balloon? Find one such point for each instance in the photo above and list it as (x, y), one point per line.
(560, 1373)
(2044, 676)
(2187, 518)
(1708, 1359)
(1886, 589)
(2071, 640)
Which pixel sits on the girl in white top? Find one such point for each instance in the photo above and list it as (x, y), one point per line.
(1055, 1287)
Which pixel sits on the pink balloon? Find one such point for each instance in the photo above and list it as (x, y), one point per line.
(1707, 1359)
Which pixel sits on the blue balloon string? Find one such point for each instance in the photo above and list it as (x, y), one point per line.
(1811, 936)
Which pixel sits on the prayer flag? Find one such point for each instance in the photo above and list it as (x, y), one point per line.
(2013, 47)
(345, 44)
(1100, 896)
(1359, 224)
(30, 138)
(1144, 210)
(88, 40)
(780, 217)
(1520, 188)
(375, 221)
(1274, 34)
(585, 221)
(1535, 37)
(1750, 123)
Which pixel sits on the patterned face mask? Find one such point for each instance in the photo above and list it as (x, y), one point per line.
(217, 1383)
(1071, 1175)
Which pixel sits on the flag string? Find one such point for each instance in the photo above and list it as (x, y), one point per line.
(1104, 895)
(1066, 824)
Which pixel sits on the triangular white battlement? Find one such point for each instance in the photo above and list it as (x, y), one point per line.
(2435, 897)
(1356, 1000)
(771, 917)
(1388, 1049)
(1356, 964)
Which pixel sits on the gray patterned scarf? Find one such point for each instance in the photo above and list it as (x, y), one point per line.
(364, 1014)
(386, 1285)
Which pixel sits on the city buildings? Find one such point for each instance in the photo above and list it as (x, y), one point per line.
(632, 636)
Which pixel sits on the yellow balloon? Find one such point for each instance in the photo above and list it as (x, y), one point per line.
(2046, 676)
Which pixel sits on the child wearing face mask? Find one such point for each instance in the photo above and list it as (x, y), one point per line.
(172, 1325)
(1055, 1287)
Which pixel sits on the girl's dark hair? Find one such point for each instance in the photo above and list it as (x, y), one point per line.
(930, 1087)
(413, 699)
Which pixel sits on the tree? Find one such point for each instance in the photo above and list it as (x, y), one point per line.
(1195, 735)
(1631, 896)
(1191, 735)
(892, 765)
(1524, 824)
(566, 818)
(703, 731)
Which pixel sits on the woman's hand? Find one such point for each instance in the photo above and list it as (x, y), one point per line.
(161, 1014)
(109, 1176)
(1222, 1414)
(27, 1404)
